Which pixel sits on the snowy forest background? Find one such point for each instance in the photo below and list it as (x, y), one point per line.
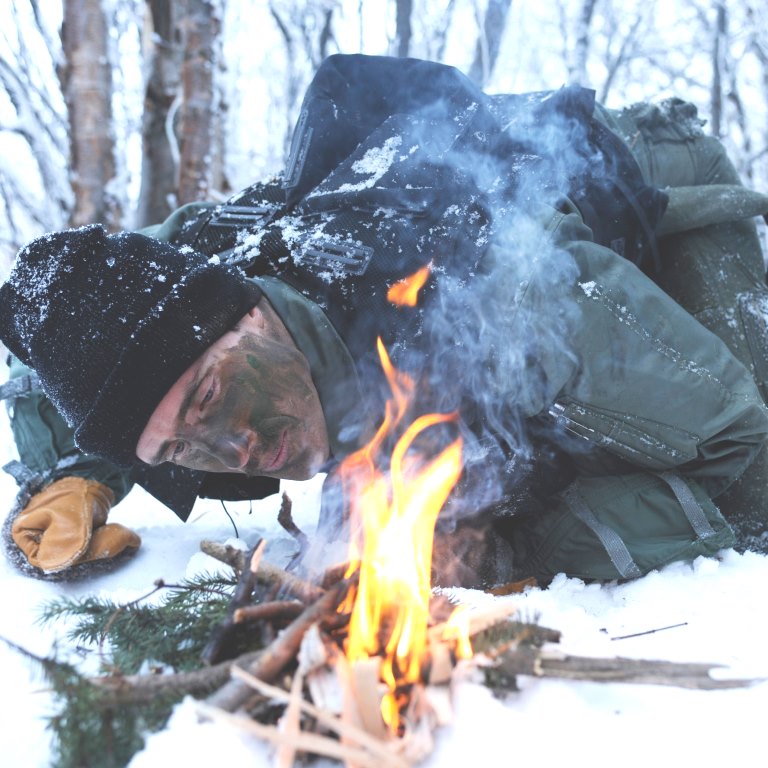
(118, 111)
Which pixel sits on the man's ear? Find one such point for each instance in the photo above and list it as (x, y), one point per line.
(254, 321)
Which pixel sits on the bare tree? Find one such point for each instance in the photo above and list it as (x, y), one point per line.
(759, 47)
(403, 10)
(719, 64)
(491, 31)
(292, 72)
(625, 49)
(33, 132)
(306, 30)
(162, 95)
(86, 80)
(578, 68)
(440, 32)
(199, 25)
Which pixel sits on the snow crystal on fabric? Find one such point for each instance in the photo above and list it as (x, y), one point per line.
(374, 164)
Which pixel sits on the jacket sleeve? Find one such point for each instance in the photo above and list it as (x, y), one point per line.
(659, 417)
(46, 444)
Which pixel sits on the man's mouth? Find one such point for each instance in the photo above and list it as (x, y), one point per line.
(279, 457)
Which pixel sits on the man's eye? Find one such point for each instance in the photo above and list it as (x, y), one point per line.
(208, 396)
(178, 450)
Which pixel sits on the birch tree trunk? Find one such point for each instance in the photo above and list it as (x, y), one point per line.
(489, 40)
(578, 70)
(86, 81)
(159, 171)
(403, 11)
(200, 26)
(719, 46)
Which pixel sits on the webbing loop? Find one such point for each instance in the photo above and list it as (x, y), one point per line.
(691, 507)
(611, 541)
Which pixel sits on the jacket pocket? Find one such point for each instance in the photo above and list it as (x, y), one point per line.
(644, 442)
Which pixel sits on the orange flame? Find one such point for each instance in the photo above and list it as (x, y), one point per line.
(405, 292)
(396, 514)
(457, 629)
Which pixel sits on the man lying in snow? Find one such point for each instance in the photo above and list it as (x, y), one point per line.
(608, 430)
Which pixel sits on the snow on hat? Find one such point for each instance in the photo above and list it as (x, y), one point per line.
(110, 322)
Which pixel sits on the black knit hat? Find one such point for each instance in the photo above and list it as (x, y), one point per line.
(110, 322)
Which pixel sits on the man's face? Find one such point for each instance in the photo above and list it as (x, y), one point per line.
(247, 404)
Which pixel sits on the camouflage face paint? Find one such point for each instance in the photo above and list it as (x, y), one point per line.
(256, 411)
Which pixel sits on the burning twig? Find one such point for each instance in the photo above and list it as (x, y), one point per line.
(220, 646)
(347, 731)
(281, 652)
(333, 575)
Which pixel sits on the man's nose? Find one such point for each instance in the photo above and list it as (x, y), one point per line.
(233, 451)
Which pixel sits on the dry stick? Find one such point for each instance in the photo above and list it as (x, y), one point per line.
(224, 553)
(306, 742)
(285, 518)
(276, 609)
(290, 723)
(532, 661)
(345, 730)
(140, 689)
(267, 574)
(288, 583)
(650, 631)
(217, 646)
(283, 650)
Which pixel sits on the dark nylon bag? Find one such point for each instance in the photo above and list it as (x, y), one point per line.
(545, 145)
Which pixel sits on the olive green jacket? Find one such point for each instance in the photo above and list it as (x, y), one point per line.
(667, 416)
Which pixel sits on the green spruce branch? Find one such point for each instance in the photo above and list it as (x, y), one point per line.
(101, 722)
(171, 632)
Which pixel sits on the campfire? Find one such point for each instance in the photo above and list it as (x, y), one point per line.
(382, 666)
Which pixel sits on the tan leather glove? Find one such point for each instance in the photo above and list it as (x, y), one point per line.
(66, 524)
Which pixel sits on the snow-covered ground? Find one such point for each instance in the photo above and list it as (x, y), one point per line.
(720, 603)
